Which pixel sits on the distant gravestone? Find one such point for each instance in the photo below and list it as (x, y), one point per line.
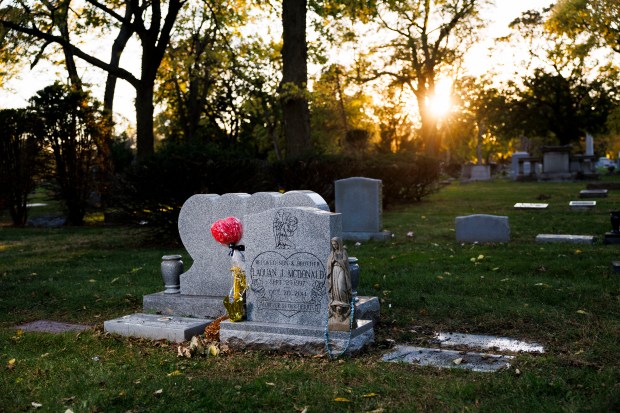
(530, 206)
(480, 173)
(564, 238)
(482, 228)
(582, 205)
(207, 281)
(359, 200)
(287, 274)
(593, 193)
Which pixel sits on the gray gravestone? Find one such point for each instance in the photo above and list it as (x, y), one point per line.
(287, 299)
(582, 205)
(482, 228)
(359, 200)
(207, 281)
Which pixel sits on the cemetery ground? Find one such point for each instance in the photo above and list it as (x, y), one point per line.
(563, 296)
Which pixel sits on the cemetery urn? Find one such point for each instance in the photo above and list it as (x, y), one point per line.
(354, 270)
(171, 270)
(615, 221)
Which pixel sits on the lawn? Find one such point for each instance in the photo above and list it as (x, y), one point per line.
(560, 295)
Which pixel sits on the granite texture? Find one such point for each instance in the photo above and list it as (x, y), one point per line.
(183, 305)
(287, 251)
(359, 200)
(486, 342)
(291, 338)
(54, 327)
(157, 327)
(480, 362)
(573, 239)
(209, 274)
(482, 228)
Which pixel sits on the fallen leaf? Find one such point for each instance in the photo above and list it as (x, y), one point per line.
(439, 277)
(92, 280)
(472, 259)
(36, 405)
(68, 411)
(581, 312)
(579, 352)
(495, 269)
(158, 392)
(45, 355)
(270, 384)
(517, 372)
(114, 280)
(368, 395)
(12, 362)
(480, 257)
(458, 361)
(578, 251)
(342, 400)
(174, 373)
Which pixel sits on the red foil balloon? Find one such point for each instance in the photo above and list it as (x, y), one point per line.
(227, 231)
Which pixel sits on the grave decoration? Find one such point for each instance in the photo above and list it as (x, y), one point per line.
(613, 236)
(228, 232)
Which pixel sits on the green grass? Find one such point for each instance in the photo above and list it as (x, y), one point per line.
(563, 296)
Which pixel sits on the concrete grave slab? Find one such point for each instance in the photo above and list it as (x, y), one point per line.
(530, 206)
(479, 362)
(157, 327)
(47, 326)
(558, 238)
(582, 205)
(615, 267)
(486, 342)
(482, 228)
(593, 193)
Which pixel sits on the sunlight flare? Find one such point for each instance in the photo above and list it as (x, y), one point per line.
(440, 103)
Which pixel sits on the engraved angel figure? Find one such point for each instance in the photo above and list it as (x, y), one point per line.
(284, 226)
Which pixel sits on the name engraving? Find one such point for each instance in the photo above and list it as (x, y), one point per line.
(289, 285)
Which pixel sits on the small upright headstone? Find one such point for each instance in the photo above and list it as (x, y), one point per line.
(288, 286)
(482, 228)
(589, 145)
(359, 200)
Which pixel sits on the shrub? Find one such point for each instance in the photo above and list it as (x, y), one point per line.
(154, 191)
(19, 162)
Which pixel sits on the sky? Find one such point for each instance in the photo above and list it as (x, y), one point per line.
(19, 90)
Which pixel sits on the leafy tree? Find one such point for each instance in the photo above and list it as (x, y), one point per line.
(49, 23)
(19, 162)
(73, 128)
(427, 39)
(338, 108)
(600, 19)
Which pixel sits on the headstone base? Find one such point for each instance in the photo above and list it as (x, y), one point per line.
(612, 238)
(157, 327)
(183, 305)
(366, 236)
(294, 338)
(367, 308)
(615, 267)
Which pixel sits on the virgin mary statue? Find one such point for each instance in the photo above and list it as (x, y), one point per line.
(339, 281)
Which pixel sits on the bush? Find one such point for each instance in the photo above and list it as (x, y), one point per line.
(154, 191)
(19, 162)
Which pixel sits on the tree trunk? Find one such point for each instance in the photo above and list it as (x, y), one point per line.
(145, 138)
(295, 112)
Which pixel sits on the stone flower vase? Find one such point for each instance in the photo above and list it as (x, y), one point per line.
(354, 270)
(171, 270)
(615, 221)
